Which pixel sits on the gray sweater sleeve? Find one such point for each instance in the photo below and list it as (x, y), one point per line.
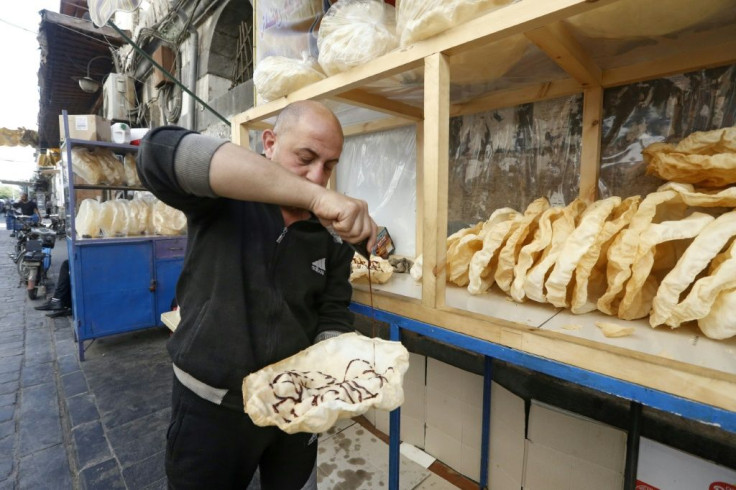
(192, 163)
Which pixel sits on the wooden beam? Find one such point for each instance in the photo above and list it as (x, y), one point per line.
(361, 98)
(560, 45)
(513, 19)
(590, 152)
(698, 59)
(419, 232)
(513, 97)
(435, 175)
(375, 126)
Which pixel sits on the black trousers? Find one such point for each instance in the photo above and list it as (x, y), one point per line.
(63, 290)
(211, 446)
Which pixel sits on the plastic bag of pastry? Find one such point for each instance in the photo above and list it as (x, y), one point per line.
(87, 221)
(644, 281)
(658, 206)
(421, 19)
(576, 245)
(590, 273)
(114, 218)
(131, 173)
(167, 220)
(720, 322)
(338, 378)
(562, 227)
(709, 243)
(86, 166)
(634, 18)
(507, 256)
(482, 268)
(139, 214)
(276, 76)
(353, 32)
(112, 168)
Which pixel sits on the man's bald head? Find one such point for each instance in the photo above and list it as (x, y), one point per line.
(295, 112)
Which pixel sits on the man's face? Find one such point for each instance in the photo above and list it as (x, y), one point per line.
(310, 148)
(24, 197)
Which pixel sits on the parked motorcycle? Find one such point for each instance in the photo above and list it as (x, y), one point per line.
(34, 263)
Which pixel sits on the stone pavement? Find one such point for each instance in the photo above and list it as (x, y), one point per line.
(99, 424)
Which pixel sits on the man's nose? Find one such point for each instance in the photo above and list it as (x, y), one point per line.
(317, 174)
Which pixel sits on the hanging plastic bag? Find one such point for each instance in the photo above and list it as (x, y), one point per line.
(353, 32)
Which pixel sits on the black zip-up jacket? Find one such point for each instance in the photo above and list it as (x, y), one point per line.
(251, 291)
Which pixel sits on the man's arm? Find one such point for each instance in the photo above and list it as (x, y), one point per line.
(239, 173)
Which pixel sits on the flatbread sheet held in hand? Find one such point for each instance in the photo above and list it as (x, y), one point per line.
(340, 377)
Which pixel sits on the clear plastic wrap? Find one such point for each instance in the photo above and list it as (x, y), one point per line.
(276, 76)
(380, 168)
(353, 32)
(421, 19)
(139, 217)
(512, 156)
(663, 110)
(287, 27)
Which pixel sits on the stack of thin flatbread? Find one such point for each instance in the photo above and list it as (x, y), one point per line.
(704, 158)
(670, 256)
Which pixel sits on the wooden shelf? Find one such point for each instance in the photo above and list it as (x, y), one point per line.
(414, 86)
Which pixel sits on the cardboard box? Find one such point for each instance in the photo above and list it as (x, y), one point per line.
(666, 468)
(566, 450)
(165, 57)
(86, 127)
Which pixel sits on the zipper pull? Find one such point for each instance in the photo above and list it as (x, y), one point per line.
(282, 235)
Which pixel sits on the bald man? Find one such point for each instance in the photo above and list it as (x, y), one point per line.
(263, 278)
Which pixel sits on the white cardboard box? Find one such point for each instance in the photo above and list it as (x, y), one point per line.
(85, 127)
(567, 451)
(664, 468)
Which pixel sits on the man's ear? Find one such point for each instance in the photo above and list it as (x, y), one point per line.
(269, 141)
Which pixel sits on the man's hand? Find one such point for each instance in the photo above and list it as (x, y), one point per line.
(348, 217)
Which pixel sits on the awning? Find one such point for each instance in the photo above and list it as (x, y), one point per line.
(67, 44)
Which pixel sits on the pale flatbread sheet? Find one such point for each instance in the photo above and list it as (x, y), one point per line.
(340, 377)
(655, 207)
(507, 256)
(720, 322)
(483, 264)
(642, 286)
(703, 294)
(562, 227)
(530, 252)
(709, 243)
(576, 245)
(590, 273)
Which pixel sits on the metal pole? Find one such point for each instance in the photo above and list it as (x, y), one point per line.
(394, 430)
(172, 77)
(486, 422)
(632, 446)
